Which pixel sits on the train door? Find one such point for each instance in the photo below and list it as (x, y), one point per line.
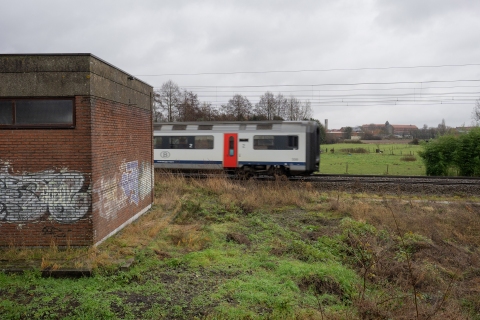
(230, 156)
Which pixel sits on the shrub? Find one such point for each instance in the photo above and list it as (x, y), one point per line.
(450, 152)
(354, 150)
(408, 158)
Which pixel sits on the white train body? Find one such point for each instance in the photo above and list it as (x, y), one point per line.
(250, 147)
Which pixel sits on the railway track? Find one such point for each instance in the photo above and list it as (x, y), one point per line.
(450, 186)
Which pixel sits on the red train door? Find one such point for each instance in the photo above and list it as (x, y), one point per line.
(230, 158)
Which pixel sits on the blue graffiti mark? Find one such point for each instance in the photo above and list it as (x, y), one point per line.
(130, 182)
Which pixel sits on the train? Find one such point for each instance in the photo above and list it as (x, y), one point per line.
(245, 148)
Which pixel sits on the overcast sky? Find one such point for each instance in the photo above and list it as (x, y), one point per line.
(348, 48)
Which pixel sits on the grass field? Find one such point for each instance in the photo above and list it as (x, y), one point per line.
(223, 249)
(395, 159)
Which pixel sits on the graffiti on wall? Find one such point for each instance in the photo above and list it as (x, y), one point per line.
(129, 185)
(28, 197)
(130, 181)
(145, 178)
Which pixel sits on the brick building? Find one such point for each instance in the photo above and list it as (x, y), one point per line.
(75, 149)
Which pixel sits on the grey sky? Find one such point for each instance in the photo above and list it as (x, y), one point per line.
(173, 37)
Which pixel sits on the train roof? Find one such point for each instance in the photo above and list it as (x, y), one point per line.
(235, 125)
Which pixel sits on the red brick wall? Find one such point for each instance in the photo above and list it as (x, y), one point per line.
(122, 164)
(45, 184)
(76, 186)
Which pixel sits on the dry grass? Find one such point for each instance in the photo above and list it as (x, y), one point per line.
(422, 247)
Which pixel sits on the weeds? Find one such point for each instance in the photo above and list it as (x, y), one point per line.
(218, 248)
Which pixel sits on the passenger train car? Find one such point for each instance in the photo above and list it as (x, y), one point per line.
(246, 148)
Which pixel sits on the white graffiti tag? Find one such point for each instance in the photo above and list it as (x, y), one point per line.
(130, 182)
(28, 197)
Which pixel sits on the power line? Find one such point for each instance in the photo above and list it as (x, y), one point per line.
(305, 70)
(343, 90)
(335, 84)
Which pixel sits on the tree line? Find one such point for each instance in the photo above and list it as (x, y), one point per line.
(172, 104)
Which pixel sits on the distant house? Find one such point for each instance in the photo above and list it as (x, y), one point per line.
(403, 129)
(386, 129)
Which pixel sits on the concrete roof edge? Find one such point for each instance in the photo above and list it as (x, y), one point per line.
(74, 54)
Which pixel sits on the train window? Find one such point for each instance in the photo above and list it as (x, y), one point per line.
(292, 142)
(37, 113)
(275, 142)
(231, 147)
(263, 142)
(204, 142)
(243, 140)
(157, 142)
(205, 127)
(179, 127)
(180, 143)
(183, 142)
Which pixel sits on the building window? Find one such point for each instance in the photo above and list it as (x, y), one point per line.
(275, 142)
(37, 113)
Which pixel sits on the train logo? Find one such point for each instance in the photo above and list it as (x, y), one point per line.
(165, 154)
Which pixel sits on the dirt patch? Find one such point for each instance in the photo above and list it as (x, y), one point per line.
(238, 238)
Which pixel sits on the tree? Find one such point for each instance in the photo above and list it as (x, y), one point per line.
(442, 128)
(166, 101)
(279, 112)
(476, 112)
(266, 107)
(347, 132)
(206, 112)
(323, 132)
(295, 110)
(189, 107)
(238, 108)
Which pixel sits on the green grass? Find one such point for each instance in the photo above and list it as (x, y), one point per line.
(388, 162)
(219, 252)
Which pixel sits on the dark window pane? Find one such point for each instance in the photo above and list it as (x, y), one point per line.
(157, 142)
(180, 143)
(293, 142)
(6, 112)
(204, 142)
(263, 142)
(275, 142)
(43, 112)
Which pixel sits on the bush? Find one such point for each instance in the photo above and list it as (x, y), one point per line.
(354, 150)
(408, 158)
(449, 152)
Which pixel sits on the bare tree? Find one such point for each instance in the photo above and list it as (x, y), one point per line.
(167, 99)
(442, 128)
(296, 110)
(189, 107)
(265, 108)
(238, 108)
(207, 112)
(280, 112)
(476, 112)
